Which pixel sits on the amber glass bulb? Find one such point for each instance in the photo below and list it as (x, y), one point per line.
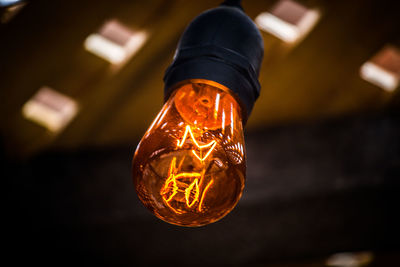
(189, 168)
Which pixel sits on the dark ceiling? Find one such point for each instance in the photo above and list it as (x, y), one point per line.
(317, 79)
(323, 144)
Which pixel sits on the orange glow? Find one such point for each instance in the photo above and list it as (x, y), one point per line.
(189, 168)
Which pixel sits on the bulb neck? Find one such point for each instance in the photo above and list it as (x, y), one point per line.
(221, 45)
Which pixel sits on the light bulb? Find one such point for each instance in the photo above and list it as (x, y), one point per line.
(189, 168)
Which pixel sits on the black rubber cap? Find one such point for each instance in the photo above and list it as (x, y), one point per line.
(222, 45)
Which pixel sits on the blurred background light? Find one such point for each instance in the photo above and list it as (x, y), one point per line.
(10, 8)
(50, 109)
(288, 20)
(383, 69)
(115, 42)
(350, 259)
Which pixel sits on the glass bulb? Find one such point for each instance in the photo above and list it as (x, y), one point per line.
(189, 168)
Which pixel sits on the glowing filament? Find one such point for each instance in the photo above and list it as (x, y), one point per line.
(171, 188)
(177, 182)
(190, 190)
(204, 192)
(210, 145)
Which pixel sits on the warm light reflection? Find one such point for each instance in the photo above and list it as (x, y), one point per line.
(216, 106)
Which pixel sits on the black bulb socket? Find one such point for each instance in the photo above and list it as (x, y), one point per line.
(222, 45)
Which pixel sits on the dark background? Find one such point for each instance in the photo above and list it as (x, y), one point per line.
(322, 144)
